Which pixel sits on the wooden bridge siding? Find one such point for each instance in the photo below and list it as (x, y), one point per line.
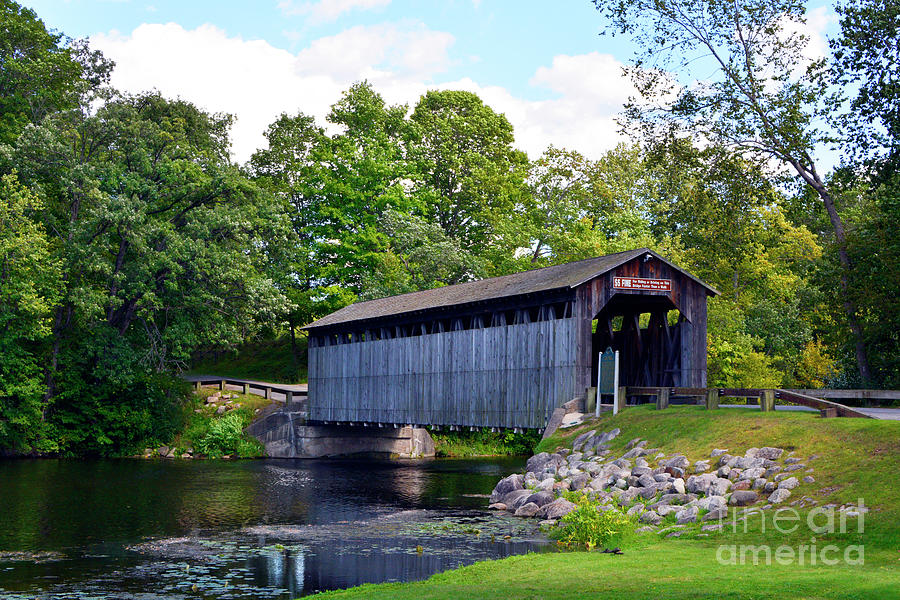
(508, 376)
(688, 296)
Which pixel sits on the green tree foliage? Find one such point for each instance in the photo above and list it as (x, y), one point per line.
(747, 87)
(29, 285)
(41, 72)
(467, 169)
(155, 232)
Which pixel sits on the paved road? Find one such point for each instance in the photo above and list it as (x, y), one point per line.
(256, 387)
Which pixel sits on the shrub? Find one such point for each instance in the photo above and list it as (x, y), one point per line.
(223, 437)
(589, 526)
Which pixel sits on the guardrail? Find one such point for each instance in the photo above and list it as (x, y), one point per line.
(266, 390)
(766, 397)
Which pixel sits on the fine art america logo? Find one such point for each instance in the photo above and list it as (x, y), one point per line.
(825, 520)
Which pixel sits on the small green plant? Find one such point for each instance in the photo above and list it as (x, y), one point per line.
(588, 526)
(223, 436)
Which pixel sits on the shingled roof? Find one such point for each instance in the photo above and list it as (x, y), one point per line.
(569, 275)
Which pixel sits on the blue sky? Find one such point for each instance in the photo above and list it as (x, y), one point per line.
(543, 64)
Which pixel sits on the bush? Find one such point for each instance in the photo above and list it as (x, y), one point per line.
(589, 526)
(223, 436)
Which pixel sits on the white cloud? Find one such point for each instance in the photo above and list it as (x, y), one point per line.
(325, 11)
(256, 81)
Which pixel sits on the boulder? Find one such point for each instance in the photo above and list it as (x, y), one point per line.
(679, 462)
(701, 466)
(666, 509)
(529, 509)
(743, 484)
(650, 517)
(221, 410)
(540, 498)
(686, 515)
(711, 502)
(579, 481)
(646, 480)
(717, 452)
(582, 439)
(632, 443)
(699, 484)
(507, 485)
(537, 462)
(162, 450)
(723, 471)
(497, 506)
(792, 460)
(743, 498)
(719, 487)
(678, 485)
(789, 483)
(515, 499)
(677, 498)
(663, 477)
(809, 479)
(638, 471)
(770, 453)
(556, 509)
(648, 492)
(779, 496)
(759, 483)
(716, 514)
(635, 510)
(795, 467)
(753, 473)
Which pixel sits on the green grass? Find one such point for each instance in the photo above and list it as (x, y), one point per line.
(464, 444)
(859, 458)
(266, 360)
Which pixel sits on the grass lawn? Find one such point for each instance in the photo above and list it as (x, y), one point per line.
(858, 458)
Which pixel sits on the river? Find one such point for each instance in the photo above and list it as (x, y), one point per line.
(174, 529)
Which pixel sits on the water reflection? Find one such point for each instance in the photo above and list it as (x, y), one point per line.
(277, 528)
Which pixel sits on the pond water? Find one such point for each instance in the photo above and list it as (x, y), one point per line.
(245, 529)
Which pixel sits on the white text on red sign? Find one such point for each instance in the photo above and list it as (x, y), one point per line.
(640, 283)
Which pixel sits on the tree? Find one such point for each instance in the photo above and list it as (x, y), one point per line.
(465, 164)
(158, 238)
(419, 256)
(746, 91)
(29, 286)
(41, 72)
(867, 57)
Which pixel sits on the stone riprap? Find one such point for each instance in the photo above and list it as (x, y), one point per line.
(648, 485)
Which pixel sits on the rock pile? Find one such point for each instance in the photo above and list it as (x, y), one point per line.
(647, 483)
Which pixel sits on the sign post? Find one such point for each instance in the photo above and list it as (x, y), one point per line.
(608, 378)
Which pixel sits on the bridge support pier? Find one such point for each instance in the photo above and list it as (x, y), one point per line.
(285, 434)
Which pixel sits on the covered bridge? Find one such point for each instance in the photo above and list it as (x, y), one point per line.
(506, 351)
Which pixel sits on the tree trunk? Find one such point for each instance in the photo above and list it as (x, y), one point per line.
(862, 359)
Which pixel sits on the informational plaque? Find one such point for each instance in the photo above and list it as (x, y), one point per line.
(642, 283)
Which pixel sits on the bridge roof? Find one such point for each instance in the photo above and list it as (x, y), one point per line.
(569, 275)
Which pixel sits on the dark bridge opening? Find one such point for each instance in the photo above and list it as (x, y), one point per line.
(646, 330)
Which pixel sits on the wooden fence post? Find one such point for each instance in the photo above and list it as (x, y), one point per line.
(767, 400)
(246, 388)
(197, 385)
(662, 398)
(712, 399)
(268, 393)
(222, 385)
(620, 400)
(288, 397)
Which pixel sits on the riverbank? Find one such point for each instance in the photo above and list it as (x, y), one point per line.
(854, 459)
(213, 427)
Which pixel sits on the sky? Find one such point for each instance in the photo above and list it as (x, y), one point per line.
(543, 64)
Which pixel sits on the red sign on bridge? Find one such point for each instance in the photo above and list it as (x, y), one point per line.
(641, 283)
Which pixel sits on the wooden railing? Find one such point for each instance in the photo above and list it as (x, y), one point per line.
(766, 397)
(266, 390)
